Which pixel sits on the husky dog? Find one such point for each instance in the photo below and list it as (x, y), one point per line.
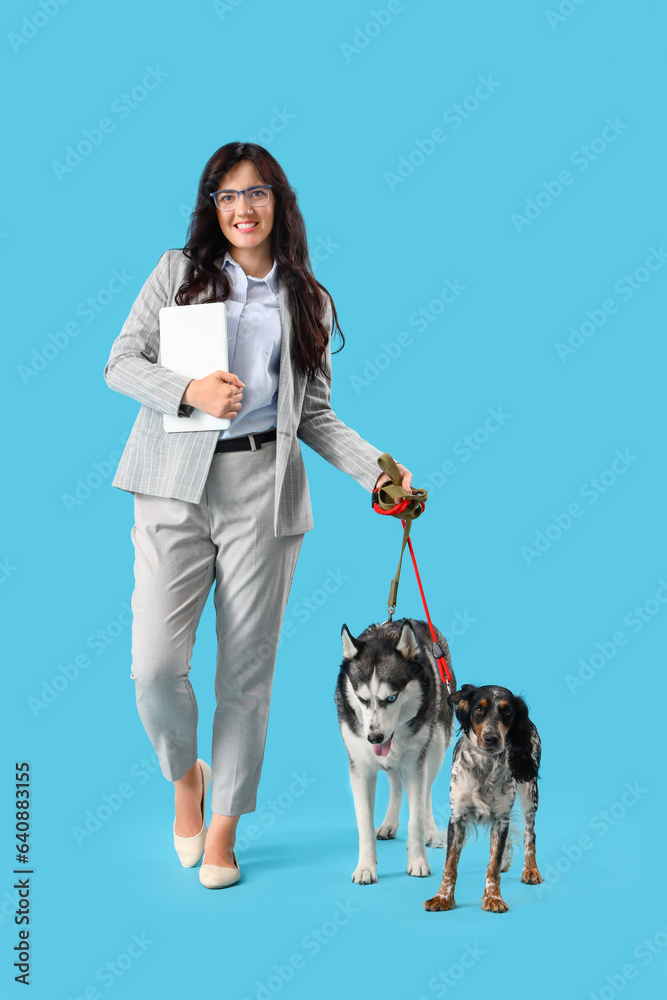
(394, 716)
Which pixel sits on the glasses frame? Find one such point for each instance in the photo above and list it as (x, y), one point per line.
(238, 194)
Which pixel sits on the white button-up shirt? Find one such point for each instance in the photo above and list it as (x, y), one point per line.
(254, 340)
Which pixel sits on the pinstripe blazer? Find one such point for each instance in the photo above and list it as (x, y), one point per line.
(176, 465)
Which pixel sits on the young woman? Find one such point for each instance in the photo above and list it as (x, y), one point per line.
(228, 506)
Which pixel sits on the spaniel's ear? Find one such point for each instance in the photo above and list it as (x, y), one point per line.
(523, 758)
(460, 701)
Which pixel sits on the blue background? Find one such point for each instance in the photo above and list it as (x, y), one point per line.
(354, 96)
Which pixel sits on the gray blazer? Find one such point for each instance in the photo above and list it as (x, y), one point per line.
(176, 465)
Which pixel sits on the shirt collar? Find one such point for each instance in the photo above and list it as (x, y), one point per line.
(271, 278)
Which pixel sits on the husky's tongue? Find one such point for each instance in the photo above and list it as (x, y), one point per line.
(382, 749)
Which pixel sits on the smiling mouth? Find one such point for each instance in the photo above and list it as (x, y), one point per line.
(245, 227)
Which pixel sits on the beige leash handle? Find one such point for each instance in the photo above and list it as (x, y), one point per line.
(392, 494)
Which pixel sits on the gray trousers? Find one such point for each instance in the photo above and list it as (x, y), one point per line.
(180, 549)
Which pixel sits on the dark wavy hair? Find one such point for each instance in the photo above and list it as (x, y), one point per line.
(289, 247)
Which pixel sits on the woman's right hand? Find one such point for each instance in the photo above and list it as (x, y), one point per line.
(219, 394)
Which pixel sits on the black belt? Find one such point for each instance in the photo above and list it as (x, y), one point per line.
(248, 442)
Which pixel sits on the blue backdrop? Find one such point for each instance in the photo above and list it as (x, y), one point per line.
(483, 189)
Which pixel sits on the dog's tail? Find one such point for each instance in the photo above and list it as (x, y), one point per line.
(471, 833)
(438, 841)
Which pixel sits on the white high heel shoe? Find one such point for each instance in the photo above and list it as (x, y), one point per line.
(190, 849)
(216, 877)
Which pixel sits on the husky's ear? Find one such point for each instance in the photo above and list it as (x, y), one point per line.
(407, 645)
(350, 645)
(520, 736)
(460, 700)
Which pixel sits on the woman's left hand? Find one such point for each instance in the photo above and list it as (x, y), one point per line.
(406, 481)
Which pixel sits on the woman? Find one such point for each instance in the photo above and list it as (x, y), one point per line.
(232, 505)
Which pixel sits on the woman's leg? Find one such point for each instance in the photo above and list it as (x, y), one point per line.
(174, 569)
(254, 571)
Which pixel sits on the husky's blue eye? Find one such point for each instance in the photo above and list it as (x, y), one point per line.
(392, 697)
(363, 700)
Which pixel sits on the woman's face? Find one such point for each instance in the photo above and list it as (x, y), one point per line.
(247, 237)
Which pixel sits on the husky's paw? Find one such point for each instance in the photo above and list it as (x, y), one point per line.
(387, 831)
(436, 839)
(419, 867)
(494, 904)
(364, 875)
(439, 902)
(531, 876)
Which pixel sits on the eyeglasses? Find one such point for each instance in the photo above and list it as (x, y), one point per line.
(256, 196)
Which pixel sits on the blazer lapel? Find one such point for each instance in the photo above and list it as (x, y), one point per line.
(290, 390)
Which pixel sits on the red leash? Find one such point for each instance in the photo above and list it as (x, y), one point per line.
(414, 504)
(437, 648)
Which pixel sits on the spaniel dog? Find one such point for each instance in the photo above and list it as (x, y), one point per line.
(498, 752)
